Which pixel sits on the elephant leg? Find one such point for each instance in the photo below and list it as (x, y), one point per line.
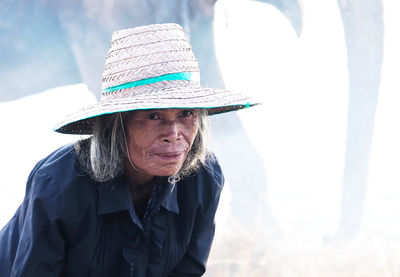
(363, 27)
(242, 164)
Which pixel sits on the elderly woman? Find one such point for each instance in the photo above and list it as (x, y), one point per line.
(139, 196)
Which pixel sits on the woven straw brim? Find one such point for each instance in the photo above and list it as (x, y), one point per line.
(214, 100)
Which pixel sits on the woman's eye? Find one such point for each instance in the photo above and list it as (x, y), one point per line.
(187, 113)
(153, 116)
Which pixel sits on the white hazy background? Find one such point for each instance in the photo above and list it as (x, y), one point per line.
(300, 132)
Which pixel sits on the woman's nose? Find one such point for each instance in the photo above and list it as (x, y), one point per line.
(171, 132)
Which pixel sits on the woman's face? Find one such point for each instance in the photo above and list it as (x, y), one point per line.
(159, 140)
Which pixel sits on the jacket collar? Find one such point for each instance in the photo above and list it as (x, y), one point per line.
(116, 197)
(170, 198)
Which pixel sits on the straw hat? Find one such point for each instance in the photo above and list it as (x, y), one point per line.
(151, 67)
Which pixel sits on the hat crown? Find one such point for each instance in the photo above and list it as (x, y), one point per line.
(144, 53)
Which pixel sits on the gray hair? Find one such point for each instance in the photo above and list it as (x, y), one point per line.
(104, 154)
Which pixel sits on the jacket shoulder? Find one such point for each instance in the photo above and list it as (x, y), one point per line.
(58, 180)
(61, 160)
(213, 168)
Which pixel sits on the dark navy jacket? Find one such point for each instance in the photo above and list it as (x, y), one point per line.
(69, 225)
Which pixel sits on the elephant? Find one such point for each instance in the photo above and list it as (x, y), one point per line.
(363, 29)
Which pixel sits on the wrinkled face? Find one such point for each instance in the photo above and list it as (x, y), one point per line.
(159, 140)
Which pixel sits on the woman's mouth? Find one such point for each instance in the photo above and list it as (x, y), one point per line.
(170, 156)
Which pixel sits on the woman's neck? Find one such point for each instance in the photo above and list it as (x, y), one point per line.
(141, 186)
(136, 177)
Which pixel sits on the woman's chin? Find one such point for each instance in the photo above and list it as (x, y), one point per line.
(168, 168)
(167, 171)
(159, 167)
